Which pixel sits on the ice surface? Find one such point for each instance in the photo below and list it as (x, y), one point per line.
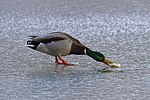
(117, 28)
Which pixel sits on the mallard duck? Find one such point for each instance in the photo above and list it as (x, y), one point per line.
(60, 44)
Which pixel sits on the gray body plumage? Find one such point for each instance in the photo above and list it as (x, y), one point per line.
(57, 43)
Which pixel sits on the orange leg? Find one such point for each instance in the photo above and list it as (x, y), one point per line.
(57, 61)
(64, 62)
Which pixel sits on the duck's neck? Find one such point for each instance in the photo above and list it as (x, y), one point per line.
(95, 55)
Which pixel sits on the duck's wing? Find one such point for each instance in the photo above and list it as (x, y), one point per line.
(75, 41)
(32, 36)
(77, 47)
(49, 38)
(53, 37)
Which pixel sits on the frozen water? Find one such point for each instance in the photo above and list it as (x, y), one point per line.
(117, 28)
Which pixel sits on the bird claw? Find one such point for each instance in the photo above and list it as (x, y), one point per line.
(62, 63)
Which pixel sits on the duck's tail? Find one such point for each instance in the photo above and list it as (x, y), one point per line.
(32, 44)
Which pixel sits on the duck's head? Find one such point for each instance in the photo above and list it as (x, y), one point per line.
(32, 44)
(101, 58)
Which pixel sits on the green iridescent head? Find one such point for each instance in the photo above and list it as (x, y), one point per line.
(95, 55)
(100, 57)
